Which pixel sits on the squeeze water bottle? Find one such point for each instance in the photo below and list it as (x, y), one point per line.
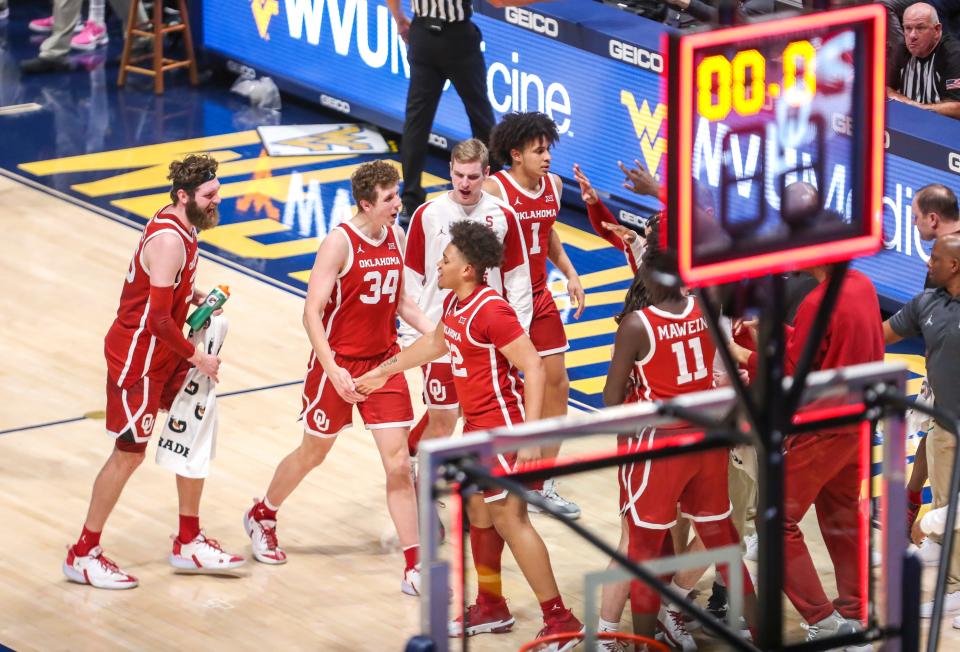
(214, 301)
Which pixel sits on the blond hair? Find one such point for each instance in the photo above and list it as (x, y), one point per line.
(468, 151)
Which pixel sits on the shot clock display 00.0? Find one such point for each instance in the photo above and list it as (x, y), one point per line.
(750, 143)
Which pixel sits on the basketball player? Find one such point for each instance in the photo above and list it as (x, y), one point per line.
(427, 237)
(522, 141)
(667, 347)
(354, 295)
(487, 347)
(147, 360)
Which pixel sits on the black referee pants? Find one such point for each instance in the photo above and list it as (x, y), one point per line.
(454, 54)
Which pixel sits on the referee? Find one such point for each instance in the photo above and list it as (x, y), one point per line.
(442, 44)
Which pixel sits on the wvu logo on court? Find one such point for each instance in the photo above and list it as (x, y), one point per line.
(349, 137)
(647, 126)
(263, 12)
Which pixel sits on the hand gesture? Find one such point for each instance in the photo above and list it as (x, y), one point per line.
(749, 324)
(916, 534)
(587, 191)
(639, 180)
(576, 295)
(403, 26)
(342, 382)
(629, 236)
(208, 365)
(370, 382)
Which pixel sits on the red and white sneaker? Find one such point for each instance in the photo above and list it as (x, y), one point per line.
(92, 36)
(483, 618)
(410, 584)
(561, 624)
(203, 555)
(263, 539)
(45, 25)
(96, 570)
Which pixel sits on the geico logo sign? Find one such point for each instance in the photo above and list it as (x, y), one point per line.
(953, 162)
(437, 141)
(632, 218)
(843, 124)
(335, 103)
(637, 56)
(532, 21)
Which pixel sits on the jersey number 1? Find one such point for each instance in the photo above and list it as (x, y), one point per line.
(381, 285)
(699, 369)
(535, 246)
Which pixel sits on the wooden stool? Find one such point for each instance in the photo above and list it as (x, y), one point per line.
(156, 30)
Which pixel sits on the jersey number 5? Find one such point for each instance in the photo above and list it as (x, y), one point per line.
(381, 285)
(699, 368)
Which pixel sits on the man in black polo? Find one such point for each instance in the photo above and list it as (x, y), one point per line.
(926, 72)
(442, 44)
(935, 314)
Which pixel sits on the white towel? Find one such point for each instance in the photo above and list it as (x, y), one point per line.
(187, 443)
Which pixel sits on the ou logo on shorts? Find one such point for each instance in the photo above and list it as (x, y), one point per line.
(437, 390)
(146, 424)
(320, 418)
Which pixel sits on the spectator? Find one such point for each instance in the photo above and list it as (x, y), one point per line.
(934, 314)
(442, 44)
(947, 10)
(926, 72)
(66, 15)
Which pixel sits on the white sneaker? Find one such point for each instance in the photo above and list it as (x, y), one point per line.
(410, 584)
(670, 623)
(951, 605)
(930, 552)
(609, 644)
(832, 625)
(263, 539)
(549, 493)
(203, 555)
(857, 626)
(751, 541)
(97, 571)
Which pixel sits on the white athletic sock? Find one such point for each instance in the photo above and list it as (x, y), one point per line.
(607, 626)
(679, 589)
(96, 11)
(270, 506)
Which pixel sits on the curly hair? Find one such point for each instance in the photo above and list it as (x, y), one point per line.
(516, 130)
(478, 244)
(368, 177)
(637, 296)
(660, 270)
(193, 171)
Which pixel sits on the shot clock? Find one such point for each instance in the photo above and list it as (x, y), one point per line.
(751, 137)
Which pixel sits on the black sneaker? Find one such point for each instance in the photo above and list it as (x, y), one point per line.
(717, 602)
(41, 65)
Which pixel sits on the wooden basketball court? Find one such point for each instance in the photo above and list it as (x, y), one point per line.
(62, 268)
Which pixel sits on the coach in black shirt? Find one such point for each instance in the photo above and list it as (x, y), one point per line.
(926, 72)
(442, 44)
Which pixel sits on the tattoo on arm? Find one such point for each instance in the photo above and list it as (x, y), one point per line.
(387, 363)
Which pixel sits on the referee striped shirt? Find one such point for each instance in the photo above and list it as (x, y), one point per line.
(451, 11)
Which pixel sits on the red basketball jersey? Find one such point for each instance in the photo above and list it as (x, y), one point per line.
(537, 212)
(361, 318)
(680, 360)
(489, 387)
(131, 351)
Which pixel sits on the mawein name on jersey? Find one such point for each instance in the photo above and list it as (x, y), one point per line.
(676, 330)
(379, 262)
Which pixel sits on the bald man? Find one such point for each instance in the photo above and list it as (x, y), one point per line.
(935, 314)
(926, 71)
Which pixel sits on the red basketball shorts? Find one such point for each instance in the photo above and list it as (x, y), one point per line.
(546, 327)
(326, 414)
(439, 392)
(651, 490)
(132, 411)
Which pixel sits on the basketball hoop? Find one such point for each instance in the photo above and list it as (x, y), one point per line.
(652, 645)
